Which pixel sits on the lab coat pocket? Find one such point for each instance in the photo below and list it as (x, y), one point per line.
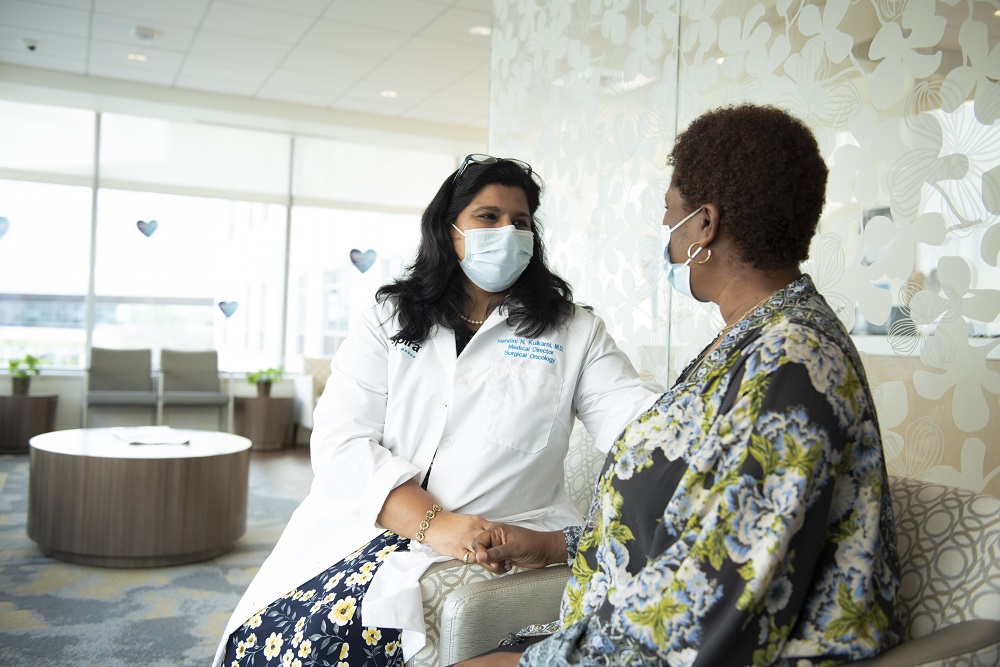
(521, 407)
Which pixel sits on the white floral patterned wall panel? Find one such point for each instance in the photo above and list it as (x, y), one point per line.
(903, 96)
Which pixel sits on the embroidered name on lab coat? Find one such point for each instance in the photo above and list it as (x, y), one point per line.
(529, 348)
(407, 347)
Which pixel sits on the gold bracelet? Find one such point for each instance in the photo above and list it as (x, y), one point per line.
(426, 523)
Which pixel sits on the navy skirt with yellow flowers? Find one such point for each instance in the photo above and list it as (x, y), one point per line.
(319, 623)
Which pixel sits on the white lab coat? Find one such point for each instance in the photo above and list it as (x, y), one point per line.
(498, 417)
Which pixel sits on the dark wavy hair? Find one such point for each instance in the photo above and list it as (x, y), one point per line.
(431, 290)
(762, 167)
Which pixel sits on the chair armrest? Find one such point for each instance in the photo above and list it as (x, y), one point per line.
(958, 640)
(477, 616)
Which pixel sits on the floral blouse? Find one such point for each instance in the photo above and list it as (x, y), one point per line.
(745, 519)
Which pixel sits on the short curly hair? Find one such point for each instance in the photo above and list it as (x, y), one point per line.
(763, 169)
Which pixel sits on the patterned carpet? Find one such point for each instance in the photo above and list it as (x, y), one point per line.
(55, 613)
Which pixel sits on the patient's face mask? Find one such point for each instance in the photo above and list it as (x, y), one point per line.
(678, 275)
(495, 257)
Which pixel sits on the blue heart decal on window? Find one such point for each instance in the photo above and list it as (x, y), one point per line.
(228, 307)
(4, 226)
(363, 260)
(147, 228)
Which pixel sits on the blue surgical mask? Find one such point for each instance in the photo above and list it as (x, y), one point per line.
(496, 257)
(678, 275)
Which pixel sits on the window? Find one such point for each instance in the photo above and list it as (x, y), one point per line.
(331, 288)
(163, 290)
(44, 271)
(189, 240)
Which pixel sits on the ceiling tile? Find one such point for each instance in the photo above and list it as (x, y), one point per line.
(406, 16)
(72, 4)
(443, 53)
(116, 55)
(321, 53)
(477, 5)
(49, 45)
(26, 59)
(130, 74)
(354, 39)
(465, 104)
(222, 69)
(225, 17)
(184, 12)
(289, 80)
(321, 61)
(476, 84)
(233, 47)
(407, 96)
(367, 96)
(400, 74)
(36, 16)
(304, 7)
(112, 28)
(455, 23)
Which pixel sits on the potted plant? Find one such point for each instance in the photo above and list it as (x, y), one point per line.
(21, 372)
(263, 379)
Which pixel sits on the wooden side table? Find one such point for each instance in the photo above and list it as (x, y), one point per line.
(265, 420)
(22, 417)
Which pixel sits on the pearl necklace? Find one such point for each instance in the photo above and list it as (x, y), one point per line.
(471, 321)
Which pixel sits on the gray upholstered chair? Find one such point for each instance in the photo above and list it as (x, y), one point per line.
(190, 379)
(121, 379)
(949, 599)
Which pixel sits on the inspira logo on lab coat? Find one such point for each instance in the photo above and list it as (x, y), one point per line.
(408, 347)
(529, 348)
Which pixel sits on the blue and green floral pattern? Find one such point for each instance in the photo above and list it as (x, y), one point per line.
(745, 519)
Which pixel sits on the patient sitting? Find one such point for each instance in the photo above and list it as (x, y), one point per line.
(744, 519)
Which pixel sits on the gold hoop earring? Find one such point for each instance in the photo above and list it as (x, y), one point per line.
(692, 255)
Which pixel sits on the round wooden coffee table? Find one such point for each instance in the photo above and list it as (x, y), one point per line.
(95, 499)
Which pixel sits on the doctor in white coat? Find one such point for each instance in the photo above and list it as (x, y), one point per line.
(448, 408)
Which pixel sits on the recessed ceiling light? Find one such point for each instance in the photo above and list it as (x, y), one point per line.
(996, 13)
(137, 57)
(720, 60)
(389, 93)
(481, 30)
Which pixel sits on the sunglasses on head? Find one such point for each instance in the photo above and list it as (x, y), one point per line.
(480, 158)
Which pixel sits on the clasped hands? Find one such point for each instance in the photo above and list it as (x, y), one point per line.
(501, 546)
